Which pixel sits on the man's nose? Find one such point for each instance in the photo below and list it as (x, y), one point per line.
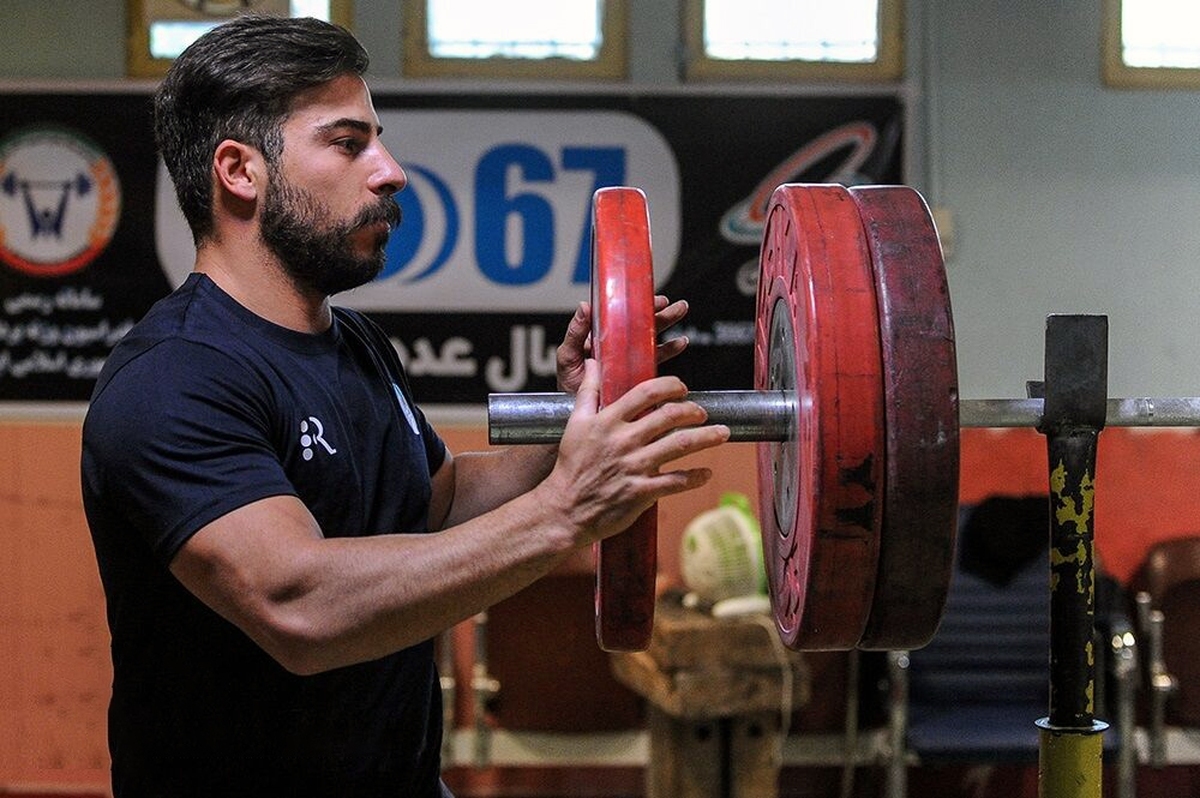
(390, 178)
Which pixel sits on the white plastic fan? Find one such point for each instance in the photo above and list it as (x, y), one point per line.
(721, 553)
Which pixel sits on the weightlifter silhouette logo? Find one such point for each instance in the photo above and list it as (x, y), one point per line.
(60, 200)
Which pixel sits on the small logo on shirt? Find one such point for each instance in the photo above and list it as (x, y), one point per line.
(312, 432)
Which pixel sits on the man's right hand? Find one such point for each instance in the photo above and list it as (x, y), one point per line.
(610, 460)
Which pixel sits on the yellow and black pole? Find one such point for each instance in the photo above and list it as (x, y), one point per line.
(1076, 395)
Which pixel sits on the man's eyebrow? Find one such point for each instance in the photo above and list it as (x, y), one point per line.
(360, 125)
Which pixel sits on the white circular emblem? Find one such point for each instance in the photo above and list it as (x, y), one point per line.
(60, 201)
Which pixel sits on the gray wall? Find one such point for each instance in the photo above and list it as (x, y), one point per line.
(1068, 197)
(1065, 196)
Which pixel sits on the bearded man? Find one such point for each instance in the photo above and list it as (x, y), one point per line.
(279, 529)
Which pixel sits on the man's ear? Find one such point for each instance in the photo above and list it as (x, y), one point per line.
(240, 169)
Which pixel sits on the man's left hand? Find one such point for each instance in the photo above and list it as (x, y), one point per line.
(577, 343)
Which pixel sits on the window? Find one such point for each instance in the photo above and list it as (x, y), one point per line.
(818, 40)
(1152, 43)
(159, 30)
(520, 38)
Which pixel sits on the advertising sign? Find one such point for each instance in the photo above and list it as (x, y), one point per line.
(493, 252)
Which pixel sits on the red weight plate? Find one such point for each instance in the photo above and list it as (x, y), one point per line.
(623, 345)
(820, 493)
(920, 383)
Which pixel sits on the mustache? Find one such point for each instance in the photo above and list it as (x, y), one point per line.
(385, 210)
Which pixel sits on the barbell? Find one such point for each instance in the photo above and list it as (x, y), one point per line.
(855, 410)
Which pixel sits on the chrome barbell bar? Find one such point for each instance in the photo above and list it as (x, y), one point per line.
(525, 418)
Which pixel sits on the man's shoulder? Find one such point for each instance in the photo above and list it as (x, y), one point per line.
(169, 338)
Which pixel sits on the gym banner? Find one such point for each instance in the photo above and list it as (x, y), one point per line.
(494, 249)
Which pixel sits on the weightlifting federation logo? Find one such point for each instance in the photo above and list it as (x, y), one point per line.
(59, 201)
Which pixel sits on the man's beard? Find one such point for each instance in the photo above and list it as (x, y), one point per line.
(315, 249)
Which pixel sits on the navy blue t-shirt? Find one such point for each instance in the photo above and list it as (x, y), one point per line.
(201, 409)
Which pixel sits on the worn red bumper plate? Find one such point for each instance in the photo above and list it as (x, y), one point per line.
(920, 382)
(820, 493)
(624, 346)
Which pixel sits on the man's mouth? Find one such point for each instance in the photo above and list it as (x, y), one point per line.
(385, 215)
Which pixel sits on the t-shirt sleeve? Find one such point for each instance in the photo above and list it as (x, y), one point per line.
(178, 438)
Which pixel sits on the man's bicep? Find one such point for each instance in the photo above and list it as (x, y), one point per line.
(246, 563)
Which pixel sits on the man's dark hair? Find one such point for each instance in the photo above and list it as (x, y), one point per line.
(237, 82)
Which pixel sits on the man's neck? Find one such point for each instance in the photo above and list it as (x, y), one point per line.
(253, 276)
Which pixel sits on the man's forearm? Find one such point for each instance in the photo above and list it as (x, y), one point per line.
(486, 480)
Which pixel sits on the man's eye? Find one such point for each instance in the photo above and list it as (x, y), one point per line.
(349, 145)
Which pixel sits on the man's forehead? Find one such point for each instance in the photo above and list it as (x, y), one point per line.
(342, 102)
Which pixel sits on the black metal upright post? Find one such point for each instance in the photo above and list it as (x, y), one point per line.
(1076, 395)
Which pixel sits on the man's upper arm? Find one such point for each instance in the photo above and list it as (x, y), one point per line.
(247, 563)
(176, 442)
